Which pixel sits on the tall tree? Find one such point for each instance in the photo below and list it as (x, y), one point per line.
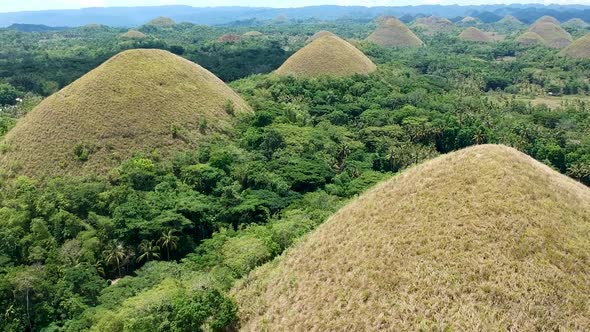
(115, 255)
(168, 240)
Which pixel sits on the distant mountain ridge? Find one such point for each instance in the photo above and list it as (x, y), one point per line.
(135, 16)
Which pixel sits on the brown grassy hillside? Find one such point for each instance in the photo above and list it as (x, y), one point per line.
(393, 33)
(328, 55)
(321, 34)
(553, 35)
(475, 35)
(579, 49)
(481, 239)
(548, 19)
(529, 38)
(139, 100)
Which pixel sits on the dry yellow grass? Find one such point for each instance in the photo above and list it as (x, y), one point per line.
(579, 49)
(475, 35)
(394, 33)
(138, 101)
(134, 34)
(530, 38)
(553, 35)
(327, 55)
(484, 239)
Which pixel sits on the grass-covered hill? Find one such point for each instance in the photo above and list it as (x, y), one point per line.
(483, 237)
(147, 101)
(553, 34)
(529, 38)
(393, 33)
(579, 49)
(475, 35)
(161, 22)
(327, 55)
(321, 34)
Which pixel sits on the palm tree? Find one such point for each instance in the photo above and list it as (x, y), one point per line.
(115, 254)
(148, 251)
(168, 240)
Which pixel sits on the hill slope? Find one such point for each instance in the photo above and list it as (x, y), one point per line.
(529, 38)
(139, 100)
(475, 35)
(484, 238)
(393, 33)
(553, 35)
(579, 49)
(327, 55)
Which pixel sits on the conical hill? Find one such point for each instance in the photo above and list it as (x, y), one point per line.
(475, 35)
(327, 55)
(579, 49)
(485, 238)
(147, 101)
(394, 33)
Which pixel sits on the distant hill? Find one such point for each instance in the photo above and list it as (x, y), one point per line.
(35, 28)
(486, 238)
(475, 35)
(139, 101)
(553, 34)
(394, 33)
(136, 16)
(327, 55)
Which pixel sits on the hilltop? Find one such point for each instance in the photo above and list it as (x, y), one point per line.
(509, 19)
(393, 33)
(576, 23)
(553, 34)
(321, 34)
(548, 19)
(327, 55)
(475, 35)
(579, 49)
(432, 24)
(161, 22)
(253, 34)
(148, 101)
(486, 236)
(134, 34)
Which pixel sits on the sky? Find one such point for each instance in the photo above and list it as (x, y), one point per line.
(21, 5)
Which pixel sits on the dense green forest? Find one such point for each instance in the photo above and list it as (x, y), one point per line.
(172, 237)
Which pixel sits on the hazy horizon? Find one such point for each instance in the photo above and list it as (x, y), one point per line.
(37, 5)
